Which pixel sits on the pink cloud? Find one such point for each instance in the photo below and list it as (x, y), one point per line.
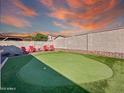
(93, 9)
(15, 21)
(24, 9)
(48, 3)
(61, 14)
(69, 32)
(74, 3)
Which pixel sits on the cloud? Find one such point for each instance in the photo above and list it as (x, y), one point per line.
(74, 3)
(15, 21)
(71, 16)
(85, 14)
(105, 20)
(61, 14)
(26, 11)
(88, 12)
(69, 32)
(61, 25)
(90, 2)
(48, 3)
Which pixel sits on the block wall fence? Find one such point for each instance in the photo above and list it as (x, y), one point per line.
(106, 43)
(25, 43)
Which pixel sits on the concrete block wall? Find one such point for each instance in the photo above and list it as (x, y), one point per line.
(111, 41)
(78, 42)
(60, 43)
(108, 43)
(22, 43)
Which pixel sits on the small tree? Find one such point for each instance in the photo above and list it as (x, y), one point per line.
(40, 37)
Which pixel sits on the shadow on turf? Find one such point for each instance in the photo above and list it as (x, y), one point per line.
(22, 87)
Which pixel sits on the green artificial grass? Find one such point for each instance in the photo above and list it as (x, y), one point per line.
(75, 67)
(62, 72)
(37, 73)
(115, 84)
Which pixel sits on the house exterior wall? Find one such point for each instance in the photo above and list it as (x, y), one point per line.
(51, 38)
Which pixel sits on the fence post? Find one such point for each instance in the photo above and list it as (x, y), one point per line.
(87, 38)
(0, 65)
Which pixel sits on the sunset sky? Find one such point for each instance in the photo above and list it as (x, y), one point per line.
(64, 17)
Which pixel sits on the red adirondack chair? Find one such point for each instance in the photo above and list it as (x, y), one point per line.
(24, 50)
(32, 49)
(52, 48)
(45, 48)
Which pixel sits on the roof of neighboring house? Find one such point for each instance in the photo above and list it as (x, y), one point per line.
(10, 38)
(52, 35)
(10, 35)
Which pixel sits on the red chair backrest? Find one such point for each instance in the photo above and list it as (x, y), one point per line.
(32, 49)
(46, 48)
(52, 47)
(24, 50)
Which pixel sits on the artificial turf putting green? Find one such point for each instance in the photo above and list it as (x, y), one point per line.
(39, 74)
(75, 67)
(35, 73)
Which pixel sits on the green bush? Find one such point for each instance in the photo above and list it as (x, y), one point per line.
(40, 37)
